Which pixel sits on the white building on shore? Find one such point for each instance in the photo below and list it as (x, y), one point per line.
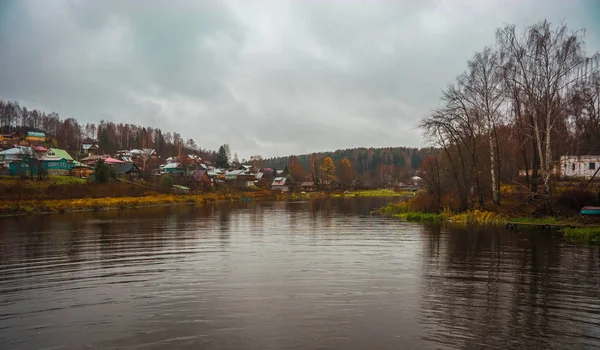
(579, 166)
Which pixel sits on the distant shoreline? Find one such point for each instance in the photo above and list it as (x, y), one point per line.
(57, 206)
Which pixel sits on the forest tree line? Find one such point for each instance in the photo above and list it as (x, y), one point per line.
(522, 102)
(376, 167)
(69, 134)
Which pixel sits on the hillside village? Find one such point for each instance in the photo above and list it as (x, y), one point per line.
(30, 155)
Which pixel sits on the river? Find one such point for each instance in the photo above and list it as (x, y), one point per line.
(288, 275)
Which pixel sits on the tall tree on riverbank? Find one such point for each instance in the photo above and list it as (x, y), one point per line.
(345, 172)
(485, 96)
(328, 169)
(542, 64)
(296, 170)
(222, 160)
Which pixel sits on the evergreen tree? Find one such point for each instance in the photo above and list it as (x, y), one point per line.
(221, 161)
(286, 171)
(103, 172)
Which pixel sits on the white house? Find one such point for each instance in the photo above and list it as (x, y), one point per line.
(579, 166)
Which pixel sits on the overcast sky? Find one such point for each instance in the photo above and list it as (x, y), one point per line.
(267, 77)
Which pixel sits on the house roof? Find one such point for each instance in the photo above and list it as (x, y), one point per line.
(236, 172)
(172, 166)
(307, 184)
(35, 134)
(124, 158)
(126, 168)
(77, 164)
(92, 157)
(110, 160)
(181, 187)
(40, 149)
(198, 174)
(279, 181)
(58, 153)
(87, 146)
(16, 151)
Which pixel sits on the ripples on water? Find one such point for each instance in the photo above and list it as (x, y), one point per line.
(288, 276)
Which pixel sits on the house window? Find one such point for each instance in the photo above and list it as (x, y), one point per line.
(592, 166)
(573, 167)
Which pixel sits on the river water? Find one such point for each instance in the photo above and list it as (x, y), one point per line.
(288, 275)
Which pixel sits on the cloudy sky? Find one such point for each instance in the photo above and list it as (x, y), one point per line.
(268, 77)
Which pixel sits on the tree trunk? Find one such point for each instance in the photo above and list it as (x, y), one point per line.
(495, 197)
(548, 163)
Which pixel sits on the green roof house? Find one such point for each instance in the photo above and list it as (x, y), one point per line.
(58, 154)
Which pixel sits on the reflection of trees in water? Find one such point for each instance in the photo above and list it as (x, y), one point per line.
(257, 217)
(224, 226)
(489, 286)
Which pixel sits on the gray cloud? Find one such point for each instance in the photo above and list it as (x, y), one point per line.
(268, 77)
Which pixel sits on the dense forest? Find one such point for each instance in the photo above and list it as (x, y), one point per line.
(523, 102)
(69, 134)
(363, 166)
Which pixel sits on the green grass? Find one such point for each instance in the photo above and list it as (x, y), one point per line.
(583, 234)
(393, 208)
(541, 221)
(35, 184)
(419, 217)
(66, 180)
(378, 193)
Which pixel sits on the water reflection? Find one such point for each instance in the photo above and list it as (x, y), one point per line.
(489, 287)
(305, 274)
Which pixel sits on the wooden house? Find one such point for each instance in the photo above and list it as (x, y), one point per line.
(280, 184)
(174, 169)
(308, 186)
(200, 180)
(129, 171)
(89, 148)
(35, 138)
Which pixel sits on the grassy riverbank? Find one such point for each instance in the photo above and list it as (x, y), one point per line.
(349, 194)
(581, 234)
(589, 235)
(376, 193)
(24, 207)
(67, 194)
(402, 211)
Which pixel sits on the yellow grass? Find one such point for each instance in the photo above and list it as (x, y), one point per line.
(53, 206)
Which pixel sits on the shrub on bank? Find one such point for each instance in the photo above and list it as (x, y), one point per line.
(571, 200)
(583, 234)
(405, 211)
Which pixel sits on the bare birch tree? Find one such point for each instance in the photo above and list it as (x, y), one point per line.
(542, 64)
(484, 96)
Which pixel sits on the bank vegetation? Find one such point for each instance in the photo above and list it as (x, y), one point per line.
(522, 102)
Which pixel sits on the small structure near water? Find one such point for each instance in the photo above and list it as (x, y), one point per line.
(583, 166)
